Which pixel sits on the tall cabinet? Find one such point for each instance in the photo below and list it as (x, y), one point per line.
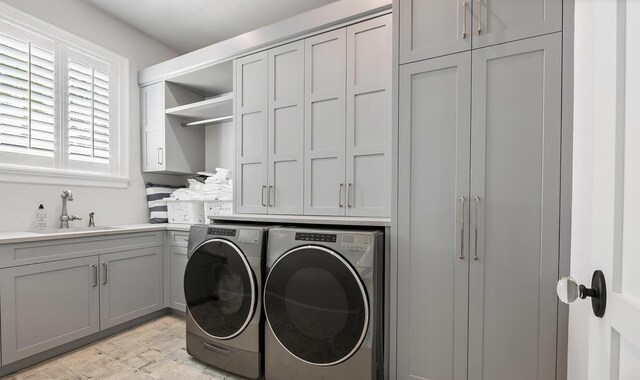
(479, 202)
(313, 124)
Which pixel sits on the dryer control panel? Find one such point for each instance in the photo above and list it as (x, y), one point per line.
(221, 232)
(305, 236)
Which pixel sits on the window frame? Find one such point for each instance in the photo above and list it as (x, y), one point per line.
(63, 171)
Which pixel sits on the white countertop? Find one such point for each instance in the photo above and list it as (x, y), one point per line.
(27, 236)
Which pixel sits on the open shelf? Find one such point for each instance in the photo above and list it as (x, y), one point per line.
(219, 108)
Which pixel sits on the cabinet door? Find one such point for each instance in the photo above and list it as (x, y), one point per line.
(433, 218)
(498, 21)
(131, 285)
(47, 305)
(368, 123)
(251, 134)
(177, 264)
(286, 129)
(324, 123)
(433, 28)
(153, 117)
(515, 166)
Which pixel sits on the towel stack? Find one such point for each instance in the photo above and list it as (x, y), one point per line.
(217, 187)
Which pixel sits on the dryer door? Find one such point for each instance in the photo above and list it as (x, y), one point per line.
(316, 305)
(220, 288)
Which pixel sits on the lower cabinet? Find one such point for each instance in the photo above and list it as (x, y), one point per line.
(131, 285)
(178, 263)
(43, 306)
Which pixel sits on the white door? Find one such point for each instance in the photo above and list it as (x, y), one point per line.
(606, 188)
(152, 109)
(251, 134)
(368, 135)
(286, 129)
(324, 123)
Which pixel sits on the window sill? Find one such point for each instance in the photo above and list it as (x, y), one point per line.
(40, 176)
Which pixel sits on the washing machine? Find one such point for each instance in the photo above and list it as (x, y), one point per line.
(323, 302)
(223, 291)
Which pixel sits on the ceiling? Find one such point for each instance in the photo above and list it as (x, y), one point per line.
(188, 25)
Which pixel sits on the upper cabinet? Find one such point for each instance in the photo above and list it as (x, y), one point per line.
(313, 125)
(440, 27)
(173, 116)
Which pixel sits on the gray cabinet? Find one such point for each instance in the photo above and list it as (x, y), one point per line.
(515, 166)
(347, 120)
(324, 123)
(478, 213)
(131, 285)
(251, 134)
(152, 114)
(440, 27)
(435, 111)
(285, 134)
(433, 28)
(43, 306)
(368, 118)
(177, 265)
(269, 131)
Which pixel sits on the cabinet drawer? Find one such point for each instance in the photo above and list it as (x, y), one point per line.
(179, 239)
(53, 250)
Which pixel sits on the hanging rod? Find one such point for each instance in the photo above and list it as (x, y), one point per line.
(208, 121)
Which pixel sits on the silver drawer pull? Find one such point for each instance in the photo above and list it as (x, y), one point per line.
(479, 2)
(262, 188)
(340, 195)
(95, 275)
(464, 18)
(461, 257)
(106, 269)
(477, 202)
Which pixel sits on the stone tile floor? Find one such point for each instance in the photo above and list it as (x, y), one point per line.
(154, 350)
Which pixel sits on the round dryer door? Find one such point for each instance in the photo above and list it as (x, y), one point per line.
(220, 288)
(316, 305)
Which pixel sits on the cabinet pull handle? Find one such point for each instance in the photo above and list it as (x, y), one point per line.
(479, 2)
(349, 194)
(340, 195)
(269, 196)
(160, 158)
(104, 265)
(95, 275)
(464, 18)
(461, 256)
(262, 195)
(475, 223)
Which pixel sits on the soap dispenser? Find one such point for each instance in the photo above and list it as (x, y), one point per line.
(41, 218)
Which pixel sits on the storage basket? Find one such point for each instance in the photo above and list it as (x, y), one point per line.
(216, 208)
(185, 212)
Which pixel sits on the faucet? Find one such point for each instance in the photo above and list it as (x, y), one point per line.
(64, 218)
(92, 222)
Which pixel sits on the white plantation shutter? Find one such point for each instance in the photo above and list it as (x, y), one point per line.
(27, 96)
(63, 106)
(88, 109)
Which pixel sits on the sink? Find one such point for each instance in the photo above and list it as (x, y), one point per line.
(73, 229)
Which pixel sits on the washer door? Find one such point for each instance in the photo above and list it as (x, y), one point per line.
(316, 305)
(220, 288)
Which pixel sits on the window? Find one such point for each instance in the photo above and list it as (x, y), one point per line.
(62, 106)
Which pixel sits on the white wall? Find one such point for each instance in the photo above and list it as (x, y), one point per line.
(219, 146)
(18, 202)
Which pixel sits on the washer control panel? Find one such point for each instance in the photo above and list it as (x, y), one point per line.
(326, 238)
(221, 232)
(355, 242)
(249, 236)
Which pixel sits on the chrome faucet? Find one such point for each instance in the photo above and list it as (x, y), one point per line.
(65, 218)
(92, 222)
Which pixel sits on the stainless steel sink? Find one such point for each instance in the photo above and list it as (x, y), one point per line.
(73, 230)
